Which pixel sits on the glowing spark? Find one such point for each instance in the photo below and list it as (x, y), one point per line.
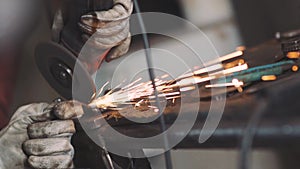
(226, 57)
(293, 55)
(131, 84)
(152, 107)
(139, 103)
(295, 68)
(189, 88)
(237, 62)
(230, 70)
(141, 94)
(209, 69)
(164, 76)
(241, 48)
(235, 82)
(102, 88)
(269, 78)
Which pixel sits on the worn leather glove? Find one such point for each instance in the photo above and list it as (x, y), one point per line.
(111, 28)
(38, 136)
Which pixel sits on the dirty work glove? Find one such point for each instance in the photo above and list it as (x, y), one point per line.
(38, 136)
(110, 29)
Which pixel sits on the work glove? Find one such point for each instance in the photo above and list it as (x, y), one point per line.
(110, 28)
(38, 136)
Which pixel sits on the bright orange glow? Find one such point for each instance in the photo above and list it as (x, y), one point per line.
(295, 68)
(269, 78)
(241, 48)
(237, 62)
(293, 55)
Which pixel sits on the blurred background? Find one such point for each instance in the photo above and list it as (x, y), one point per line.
(227, 23)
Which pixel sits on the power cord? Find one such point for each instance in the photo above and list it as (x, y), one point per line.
(249, 133)
(152, 77)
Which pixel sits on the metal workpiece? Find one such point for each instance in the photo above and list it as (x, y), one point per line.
(279, 126)
(271, 133)
(279, 96)
(283, 36)
(291, 45)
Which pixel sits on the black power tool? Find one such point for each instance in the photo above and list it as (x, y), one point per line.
(56, 59)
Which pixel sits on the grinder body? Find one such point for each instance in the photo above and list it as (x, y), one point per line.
(56, 60)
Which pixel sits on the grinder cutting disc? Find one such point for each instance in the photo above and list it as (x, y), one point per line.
(57, 66)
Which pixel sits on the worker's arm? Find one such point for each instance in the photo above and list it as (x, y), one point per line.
(8, 63)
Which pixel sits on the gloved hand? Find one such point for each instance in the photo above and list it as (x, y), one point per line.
(111, 28)
(38, 136)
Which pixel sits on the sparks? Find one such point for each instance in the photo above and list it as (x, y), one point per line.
(139, 93)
